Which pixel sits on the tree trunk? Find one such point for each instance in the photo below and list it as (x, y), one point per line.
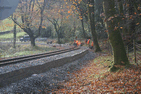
(74, 26)
(59, 42)
(74, 30)
(120, 57)
(57, 31)
(32, 39)
(89, 28)
(84, 35)
(92, 24)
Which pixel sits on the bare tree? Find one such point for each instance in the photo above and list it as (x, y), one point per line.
(29, 12)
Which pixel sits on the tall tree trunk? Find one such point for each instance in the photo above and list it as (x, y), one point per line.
(14, 43)
(120, 57)
(32, 39)
(92, 24)
(89, 28)
(57, 31)
(59, 42)
(82, 23)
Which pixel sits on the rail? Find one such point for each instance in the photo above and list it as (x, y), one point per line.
(31, 57)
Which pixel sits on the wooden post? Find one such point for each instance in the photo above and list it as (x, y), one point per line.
(14, 33)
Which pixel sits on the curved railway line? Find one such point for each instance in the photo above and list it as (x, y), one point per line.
(36, 56)
(17, 75)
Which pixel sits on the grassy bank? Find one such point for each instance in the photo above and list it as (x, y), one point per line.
(9, 36)
(7, 50)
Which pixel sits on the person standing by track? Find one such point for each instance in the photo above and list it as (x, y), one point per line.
(88, 42)
(92, 45)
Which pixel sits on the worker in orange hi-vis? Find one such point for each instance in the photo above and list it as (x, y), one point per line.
(79, 43)
(76, 42)
(92, 45)
(88, 42)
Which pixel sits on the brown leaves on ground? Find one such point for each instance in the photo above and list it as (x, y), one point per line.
(95, 78)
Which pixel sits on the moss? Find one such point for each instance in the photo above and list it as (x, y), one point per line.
(120, 57)
(114, 69)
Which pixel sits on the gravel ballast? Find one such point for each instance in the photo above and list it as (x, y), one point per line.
(9, 68)
(43, 82)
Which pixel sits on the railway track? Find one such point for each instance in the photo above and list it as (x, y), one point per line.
(17, 75)
(36, 56)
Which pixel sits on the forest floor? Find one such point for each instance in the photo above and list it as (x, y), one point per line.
(96, 78)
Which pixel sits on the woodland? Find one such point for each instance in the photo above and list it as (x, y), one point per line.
(115, 21)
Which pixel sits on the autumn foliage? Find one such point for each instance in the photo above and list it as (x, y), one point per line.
(94, 78)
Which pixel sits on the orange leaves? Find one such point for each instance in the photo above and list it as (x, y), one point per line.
(39, 90)
(74, 3)
(68, 7)
(121, 27)
(127, 5)
(69, 12)
(137, 23)
(131, 17)
(106, 30)
(73, 7)
(59, 10)
(135, 13)
(43, 26)
(139, 8)
(90, 5)
(67, 16)
(80, 17)
(79, 2)
(123, 18)
(95, 79)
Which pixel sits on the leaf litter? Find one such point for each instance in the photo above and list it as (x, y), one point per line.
(96, 78)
